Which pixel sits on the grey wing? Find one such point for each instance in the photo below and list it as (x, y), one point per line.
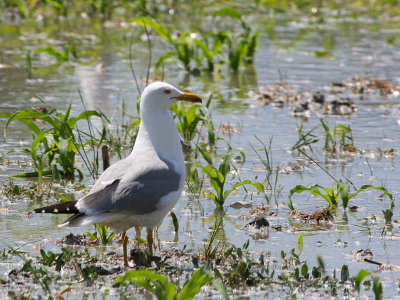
(143, 183)
(140, 193)
(100, 196)
(115, 172)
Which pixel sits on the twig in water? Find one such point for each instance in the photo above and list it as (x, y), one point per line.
(59, 296)
(77, 268)
(381, 264)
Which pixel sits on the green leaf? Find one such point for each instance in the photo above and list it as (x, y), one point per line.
(159, 29)
(207, 53)
(140, 274)
(33, 174)
(322, 53)
(300, 243)
(371, 187)
(230, 12)
(209, 170)
(257, 185)
(206, 156)
(164, 58)
(175, 221)
(86, 115)
(344, 273)
(343, 189)
(193, 286)
(25, 115)
(210, 195)
(314, 190)
(5, 116)
(359, 279)
(377, 287)
(52, 52)
(219, 285)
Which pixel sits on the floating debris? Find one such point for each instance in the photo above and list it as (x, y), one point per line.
(316, 216)
(343, 106)
(382, 266)
(73, 240)
(362, 254)
(318, 97)
(353, 208)
(260, 212)
(364, 85)
(227, 129)
(279, 94)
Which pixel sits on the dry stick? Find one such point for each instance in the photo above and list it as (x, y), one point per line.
(380, 264)
(373, 262)
(106, 157)
(77, 268)
(59, 296)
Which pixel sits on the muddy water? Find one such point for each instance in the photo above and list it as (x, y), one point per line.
(290, 57)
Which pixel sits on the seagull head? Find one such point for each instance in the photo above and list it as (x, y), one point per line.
(160, 95)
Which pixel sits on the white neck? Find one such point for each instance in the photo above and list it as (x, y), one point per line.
(158, 133)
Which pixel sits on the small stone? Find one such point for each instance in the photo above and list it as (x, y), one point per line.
(259, 223)
(353, 208)
(139, 257)
(318, 97)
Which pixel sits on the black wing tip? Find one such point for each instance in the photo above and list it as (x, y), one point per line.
(59, 208)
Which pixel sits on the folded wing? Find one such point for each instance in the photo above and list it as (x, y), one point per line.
(134, 186)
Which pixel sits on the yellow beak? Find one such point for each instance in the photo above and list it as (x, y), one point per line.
(189, 97)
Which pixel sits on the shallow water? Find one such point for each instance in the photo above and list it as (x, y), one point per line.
(357, 49)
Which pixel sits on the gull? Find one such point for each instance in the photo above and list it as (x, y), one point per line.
(141, 189)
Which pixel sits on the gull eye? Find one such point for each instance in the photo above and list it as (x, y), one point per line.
(167, 91)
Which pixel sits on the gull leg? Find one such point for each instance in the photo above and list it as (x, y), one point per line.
(150, 241)
(124, 248)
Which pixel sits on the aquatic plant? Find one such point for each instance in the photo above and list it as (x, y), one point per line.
(183, 44)
(218, 176)
(339, 192)
(192, 49)
(67, 52)
(214, 246)
(49, 258)
(63, 55)
(305, 139)
(163, 289)
(10, 189)
(102, 234)
(55, 147)
(210, 50)
(376, 283)
(192, 119)
(243, 271)
(242, 47)
(338, 138)
(61, 8)
(39, 274)
(188, 121)
(273, 189)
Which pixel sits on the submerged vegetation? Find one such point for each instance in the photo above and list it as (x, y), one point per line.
(53, 150)
(262, 68)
